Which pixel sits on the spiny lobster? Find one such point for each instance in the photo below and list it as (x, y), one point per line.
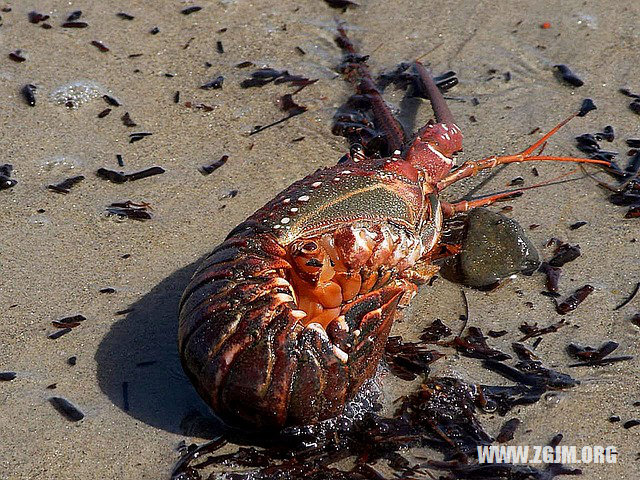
(283, 322)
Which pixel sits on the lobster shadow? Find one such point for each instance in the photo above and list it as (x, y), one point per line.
(139, 369)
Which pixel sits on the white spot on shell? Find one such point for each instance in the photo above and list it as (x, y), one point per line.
(303, 198)
(316, 184)
(294, 209)
(337, 179)
(397, 152)
(286, 200)
(341, 354)
(345, 172)
(285, 220)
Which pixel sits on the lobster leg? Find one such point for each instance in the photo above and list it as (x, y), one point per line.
(471, 168)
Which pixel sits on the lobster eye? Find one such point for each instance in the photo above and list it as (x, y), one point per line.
(309, 247)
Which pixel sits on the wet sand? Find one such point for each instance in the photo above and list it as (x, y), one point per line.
(58, 251)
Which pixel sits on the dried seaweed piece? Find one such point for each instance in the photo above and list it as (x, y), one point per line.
(5, 173)
(535, 331)
(147, 172)
(72, 360)
(65, 186)
(607, 134)
(407, 360)
(17, 56)
(568, 76)
(214, 84)
(127, 121)
(435, 332)
(75, 25)
(75, 15)
(59, 333)
(633, 142)
(631, 423)
(135, 137)
(154, 31)
(564, 253)
(341, 4)
(125, 16)
(111, 175)
(219, 47)
(69, 322)
(129, 209)
(208, 169)
(577, 225)
(107, 290)
(474, 345)
(573, 300)
(635, 106)
(508, 430)
(66, 409)
(587, 104)
(553, 276)
(100, 46)
(104, 113)
(35, 17)
(111, 100)
(190, 10)
(7, 376)
(590, 356)
(29, 94)
(497, 334)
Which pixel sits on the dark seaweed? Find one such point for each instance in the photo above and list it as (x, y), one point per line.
(129, 209)
(125, 16)
(219, 47)
(5, 173)
(7, 376)
(341, 4)
(111, 100)
(214, 84)
(100, 46)
(154, 31)
(72, 360)
(553, 276)
(590, 356)
(176, 97)
(35, 17)
(127, 121)
(535, 331)
(67, 409)
(577, 225)
(135, 137)
(407, 360)
(435, 332)
(17, 56)
(568, 76)
(633, 142)
(474, 345)
(65, 185)
(631, 423)
(104, 113)
(59, 333)
(119, 160)
(508, 430)
(573, 300)
(563, 254)
(73, 16)
(587, 105)
(208, 169)
(69, 322)
(75, 25)
(245, 64)
(107, 290)
(120, 177)
(29, 94)
(190, 10)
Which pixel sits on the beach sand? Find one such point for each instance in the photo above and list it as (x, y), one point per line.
(57, 251)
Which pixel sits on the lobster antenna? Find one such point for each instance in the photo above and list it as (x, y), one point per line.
(471, 168)
(432, 92)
